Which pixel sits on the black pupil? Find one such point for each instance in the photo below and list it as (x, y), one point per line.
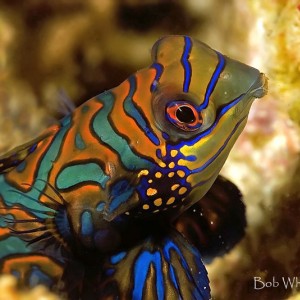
(185, 114)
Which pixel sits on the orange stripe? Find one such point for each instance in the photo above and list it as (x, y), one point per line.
(24, 264)
(18, 214)
(28, 175)
(70, 153)
(126, 125)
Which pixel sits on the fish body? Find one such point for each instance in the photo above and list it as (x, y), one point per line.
(122, 168)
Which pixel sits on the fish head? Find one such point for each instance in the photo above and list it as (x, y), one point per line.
(200, 103)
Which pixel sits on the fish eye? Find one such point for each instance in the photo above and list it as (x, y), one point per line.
(184, 115)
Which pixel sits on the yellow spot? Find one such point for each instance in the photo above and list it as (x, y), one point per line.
(171, 174)
(182, 190)
(171, 201)
(189, 179)
(158, 202)
(181, 162)
(174, 187)
(162, 164)
(150, 181)
(174, 153)
(151, 192)
(143, 172)
(158, 175)
(146, 206)
(171, 165)
(180, 173)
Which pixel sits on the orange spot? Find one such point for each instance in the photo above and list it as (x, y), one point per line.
(143, 173)
(180, 173)
(171, 165)
(158, 175)
(158, 202)
(162, 164)
(151, 192)
(182, 190)
(171, 201)
(174, 153)
(174, 187)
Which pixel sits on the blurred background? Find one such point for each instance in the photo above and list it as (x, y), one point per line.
(54, 51)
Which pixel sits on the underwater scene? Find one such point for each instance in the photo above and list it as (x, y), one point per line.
(149, 149)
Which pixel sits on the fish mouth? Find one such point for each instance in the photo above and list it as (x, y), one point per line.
(260, 87)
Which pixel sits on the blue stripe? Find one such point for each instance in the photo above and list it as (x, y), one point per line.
(212, 127)
(102, 128)
(46, 163)
(38, 276)
(141, 272)
(167, 254)
(174, 279)
(159, 70)
(213, 81)
(186, 64)
(210, 161)
(120, 193)
(197, 277)
(79, 142)
(87, 223)
(21, 166)
(132, 110)
(32, 148)
(170, 245)
(115, 259)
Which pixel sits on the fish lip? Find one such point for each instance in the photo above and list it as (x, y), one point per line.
(260, 87)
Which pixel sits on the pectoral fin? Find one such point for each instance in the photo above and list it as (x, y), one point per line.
(158, 268)
(217, 222)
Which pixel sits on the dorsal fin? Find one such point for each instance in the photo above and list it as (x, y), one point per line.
(14, 157)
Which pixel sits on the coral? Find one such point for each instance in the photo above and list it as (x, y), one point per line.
(265, 165)
(10, 291)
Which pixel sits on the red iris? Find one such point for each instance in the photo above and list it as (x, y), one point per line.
(184, 115)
